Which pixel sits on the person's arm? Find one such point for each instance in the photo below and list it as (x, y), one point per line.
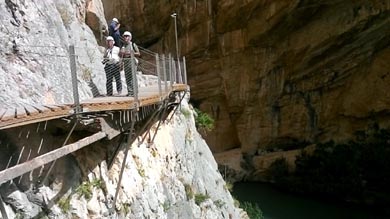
(136, 50)
(111, 29)
(121, 51)
(117, 26)
(105, 53)
(105, 59)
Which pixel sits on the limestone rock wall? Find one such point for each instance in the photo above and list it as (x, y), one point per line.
(161, 180)
(34, 60)
(275, 72)
(176, 176)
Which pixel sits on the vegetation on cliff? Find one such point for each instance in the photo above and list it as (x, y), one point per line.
(204, 123)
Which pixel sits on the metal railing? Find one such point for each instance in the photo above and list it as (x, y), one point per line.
(127, 77)
(45, 74)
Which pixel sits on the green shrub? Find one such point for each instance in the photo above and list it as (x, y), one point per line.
(189, 137)
(19, 215)
(199, 198)
(85, 189)
(186, 113)
(141, 172)
(189, 191)
(228, 186)
(64, 204)
(154, 152)
(166, 206)
(97, 183)
(203, 121)
(253, 210)
(219, 203)
(236, 202)
(126, 208)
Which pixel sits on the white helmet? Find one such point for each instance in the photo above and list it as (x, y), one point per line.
(110, 38)
(127, 33)
(115, 19)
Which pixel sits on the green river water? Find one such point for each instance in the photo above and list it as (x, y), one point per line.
(276, 204)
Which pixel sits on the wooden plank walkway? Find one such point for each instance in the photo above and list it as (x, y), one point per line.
(28, 114)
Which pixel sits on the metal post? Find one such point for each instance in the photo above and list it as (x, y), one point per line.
(101, 30)
(134, 75)
(161, 114)
(172, 71)
(165, 73)
(174, 15)
(179, 69)
(72, 58)
(129, 141)
(174, 76)
(178, 105)
(120, 142)
(151, 119)
(179, 75)
(184, 70)
(170, 68)
(158, 75)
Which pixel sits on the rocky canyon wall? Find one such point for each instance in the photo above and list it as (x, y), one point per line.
(34, 56)
(271, 73)
(175, 176)
(275, 72)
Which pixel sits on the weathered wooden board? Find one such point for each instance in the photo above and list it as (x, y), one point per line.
(30, 165)
(41, 109)
(53, 107)
(38, 113)
(9, 114)
(20, 112)
(62, 106)
(2, 111)
(31, 110)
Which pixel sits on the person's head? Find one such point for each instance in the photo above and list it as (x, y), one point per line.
(110, 41)
(127, 36)
(115, 20)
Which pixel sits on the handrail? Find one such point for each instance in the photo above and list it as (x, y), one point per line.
(90, 78)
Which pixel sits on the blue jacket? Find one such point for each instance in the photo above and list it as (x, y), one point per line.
(112, 30)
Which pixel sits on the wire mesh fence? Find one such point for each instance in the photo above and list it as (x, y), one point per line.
(46, 73)
(125, 76)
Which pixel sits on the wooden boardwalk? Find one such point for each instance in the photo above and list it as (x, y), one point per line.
(13, 117)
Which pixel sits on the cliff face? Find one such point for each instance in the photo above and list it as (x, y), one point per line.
(35, 65)
(276, 72)
(175, 176)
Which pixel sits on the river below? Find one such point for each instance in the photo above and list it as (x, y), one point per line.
(276, 204)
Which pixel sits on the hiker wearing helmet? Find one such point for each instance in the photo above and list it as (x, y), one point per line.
(111, 61)
(114, 31)
(126, 50)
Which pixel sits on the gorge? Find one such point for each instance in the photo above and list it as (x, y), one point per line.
(278, 77)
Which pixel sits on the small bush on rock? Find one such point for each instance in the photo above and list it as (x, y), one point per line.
(203, 121)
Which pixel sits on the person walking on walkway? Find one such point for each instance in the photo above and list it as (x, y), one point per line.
(111, 61)
(114, 31)
(126, 50)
